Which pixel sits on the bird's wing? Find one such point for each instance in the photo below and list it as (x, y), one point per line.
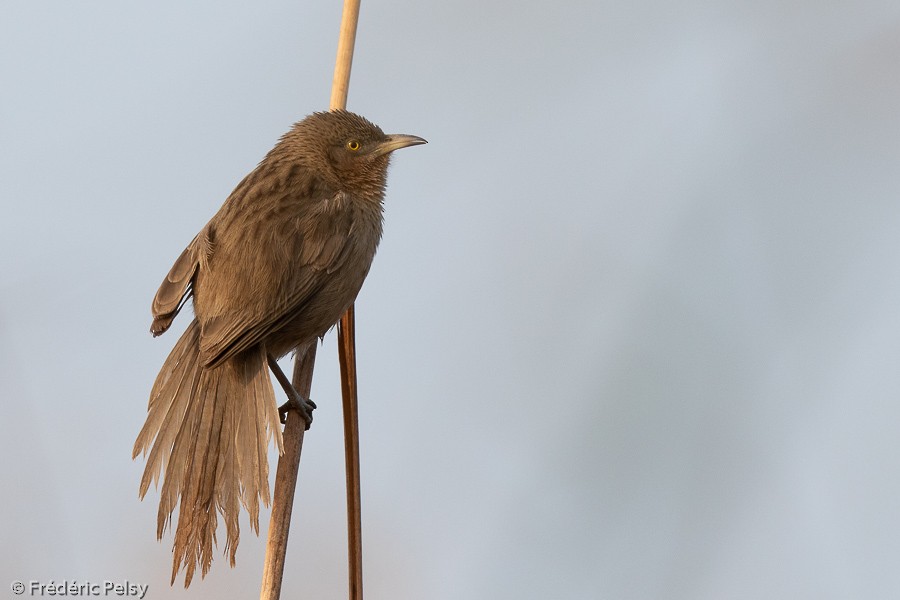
(224, 336)
(177, 287)
(316, 256)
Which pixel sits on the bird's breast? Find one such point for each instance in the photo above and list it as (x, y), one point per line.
(332, 256)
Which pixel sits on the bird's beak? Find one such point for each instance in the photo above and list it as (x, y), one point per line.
(395, 142)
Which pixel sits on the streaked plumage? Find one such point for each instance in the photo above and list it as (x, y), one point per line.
(279, 263)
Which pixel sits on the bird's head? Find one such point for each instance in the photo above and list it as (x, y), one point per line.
(350, 152)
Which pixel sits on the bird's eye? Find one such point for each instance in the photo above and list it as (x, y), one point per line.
(353, 145)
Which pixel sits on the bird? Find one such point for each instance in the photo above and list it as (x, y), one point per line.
(271, 272)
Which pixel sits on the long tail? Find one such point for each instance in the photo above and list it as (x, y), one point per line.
(209, 429)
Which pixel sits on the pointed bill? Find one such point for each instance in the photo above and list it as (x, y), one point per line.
(397, 141)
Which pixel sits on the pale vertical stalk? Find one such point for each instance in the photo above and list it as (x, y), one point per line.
(286, 480)
(289, 462)
(347, 337)
(346, 42)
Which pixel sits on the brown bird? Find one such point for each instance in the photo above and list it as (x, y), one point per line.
(274, 269)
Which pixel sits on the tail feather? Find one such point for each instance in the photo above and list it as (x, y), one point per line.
(175, 385)
(209, 430)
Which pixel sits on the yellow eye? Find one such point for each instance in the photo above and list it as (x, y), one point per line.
(353, 145)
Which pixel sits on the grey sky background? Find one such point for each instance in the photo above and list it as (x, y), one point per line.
(632, 333)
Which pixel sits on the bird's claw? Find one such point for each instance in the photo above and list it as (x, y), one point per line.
(304, 406)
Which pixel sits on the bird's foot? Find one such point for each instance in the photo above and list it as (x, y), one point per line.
(302, 405)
